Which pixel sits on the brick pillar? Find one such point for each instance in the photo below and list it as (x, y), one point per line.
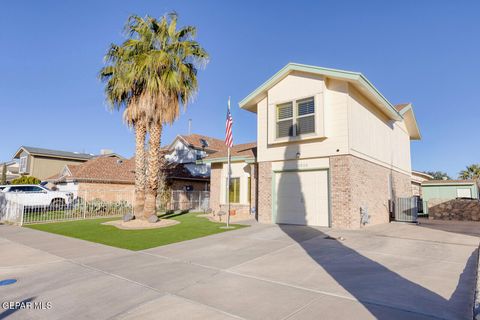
(264, 207)
(215, 182)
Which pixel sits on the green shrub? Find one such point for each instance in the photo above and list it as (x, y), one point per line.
(26, 180)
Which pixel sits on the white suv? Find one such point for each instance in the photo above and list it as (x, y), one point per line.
(38, 196)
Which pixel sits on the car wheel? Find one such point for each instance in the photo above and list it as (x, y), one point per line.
(57, 204)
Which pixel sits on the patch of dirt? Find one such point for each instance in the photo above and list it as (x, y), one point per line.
(139, 224)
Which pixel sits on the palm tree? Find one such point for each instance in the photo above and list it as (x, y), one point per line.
(150, 75)
(122, 92)
(167, 62)
(472, 172)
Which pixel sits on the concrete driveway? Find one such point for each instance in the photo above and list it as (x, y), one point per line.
(392, 271)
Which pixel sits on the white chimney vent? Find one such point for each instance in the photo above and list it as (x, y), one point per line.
(106, 151)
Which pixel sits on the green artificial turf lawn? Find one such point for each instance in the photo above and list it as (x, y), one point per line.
(190, 227)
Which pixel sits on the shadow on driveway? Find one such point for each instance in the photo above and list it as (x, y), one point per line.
(373, 284)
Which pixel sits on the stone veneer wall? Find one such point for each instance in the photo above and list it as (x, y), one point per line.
(215, 180)
(106, 191)
(357, 182)
(264, 194)
(454, 209)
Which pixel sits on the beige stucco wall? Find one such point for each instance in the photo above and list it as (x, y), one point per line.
(43, 167)
(238, 170)
(351, 125)
(376, 138)
(331, 103)
(218, 178)
(417, 179)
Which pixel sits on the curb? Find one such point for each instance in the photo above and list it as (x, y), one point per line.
(476, 302)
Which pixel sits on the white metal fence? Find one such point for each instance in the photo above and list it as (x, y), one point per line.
(406, 209)
(186, 200)
(37, 207)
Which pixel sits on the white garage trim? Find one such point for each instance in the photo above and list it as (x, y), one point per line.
(274, 191)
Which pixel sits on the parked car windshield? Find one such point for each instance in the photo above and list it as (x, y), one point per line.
(25, 189)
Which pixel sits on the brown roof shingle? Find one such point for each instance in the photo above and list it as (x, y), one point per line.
(248, 150)
(108, 169)
(112, 170)
(194, 140)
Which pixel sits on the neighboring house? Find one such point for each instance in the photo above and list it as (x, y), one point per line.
(417, 179)
(242, 192)
(43, 163)
(101, 177)
(188, 149)
(330, 147)
(448, 190)
(96, 176)
(12, 170)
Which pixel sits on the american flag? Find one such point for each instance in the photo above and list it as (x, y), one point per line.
(228, 130)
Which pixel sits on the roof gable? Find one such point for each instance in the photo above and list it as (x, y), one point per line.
(406, 111)
(358, 79)
(52, 153)
(194, 141)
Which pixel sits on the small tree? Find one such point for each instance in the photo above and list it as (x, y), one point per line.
(26, 180)
(438, 175)
(3, 179)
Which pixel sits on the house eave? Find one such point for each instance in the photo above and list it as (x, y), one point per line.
(225, 159)
(250, 102)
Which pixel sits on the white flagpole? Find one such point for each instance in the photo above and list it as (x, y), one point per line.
(228, 178)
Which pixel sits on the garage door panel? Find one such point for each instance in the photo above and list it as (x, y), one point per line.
(302, 198)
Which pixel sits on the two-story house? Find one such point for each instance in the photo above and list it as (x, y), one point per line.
(188, 149)
(43, 163)
(331, 151)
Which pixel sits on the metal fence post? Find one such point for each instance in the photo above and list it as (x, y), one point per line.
(22, 213)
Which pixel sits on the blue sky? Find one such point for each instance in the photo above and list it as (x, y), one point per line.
(424, 52)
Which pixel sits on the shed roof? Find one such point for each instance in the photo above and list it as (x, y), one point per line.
(448, 182)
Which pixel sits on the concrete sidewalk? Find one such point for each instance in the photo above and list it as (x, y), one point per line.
(263, 272)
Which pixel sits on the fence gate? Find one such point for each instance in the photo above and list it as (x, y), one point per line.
(406, 209)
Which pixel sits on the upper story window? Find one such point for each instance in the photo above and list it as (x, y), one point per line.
(293, 121)
(23, 164)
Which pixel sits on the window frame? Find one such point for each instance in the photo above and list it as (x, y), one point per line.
(298, 116)
(295, 116)
(227, 190)
(22, 168)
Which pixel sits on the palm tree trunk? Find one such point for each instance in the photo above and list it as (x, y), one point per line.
(140, 176)
(153, 170)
